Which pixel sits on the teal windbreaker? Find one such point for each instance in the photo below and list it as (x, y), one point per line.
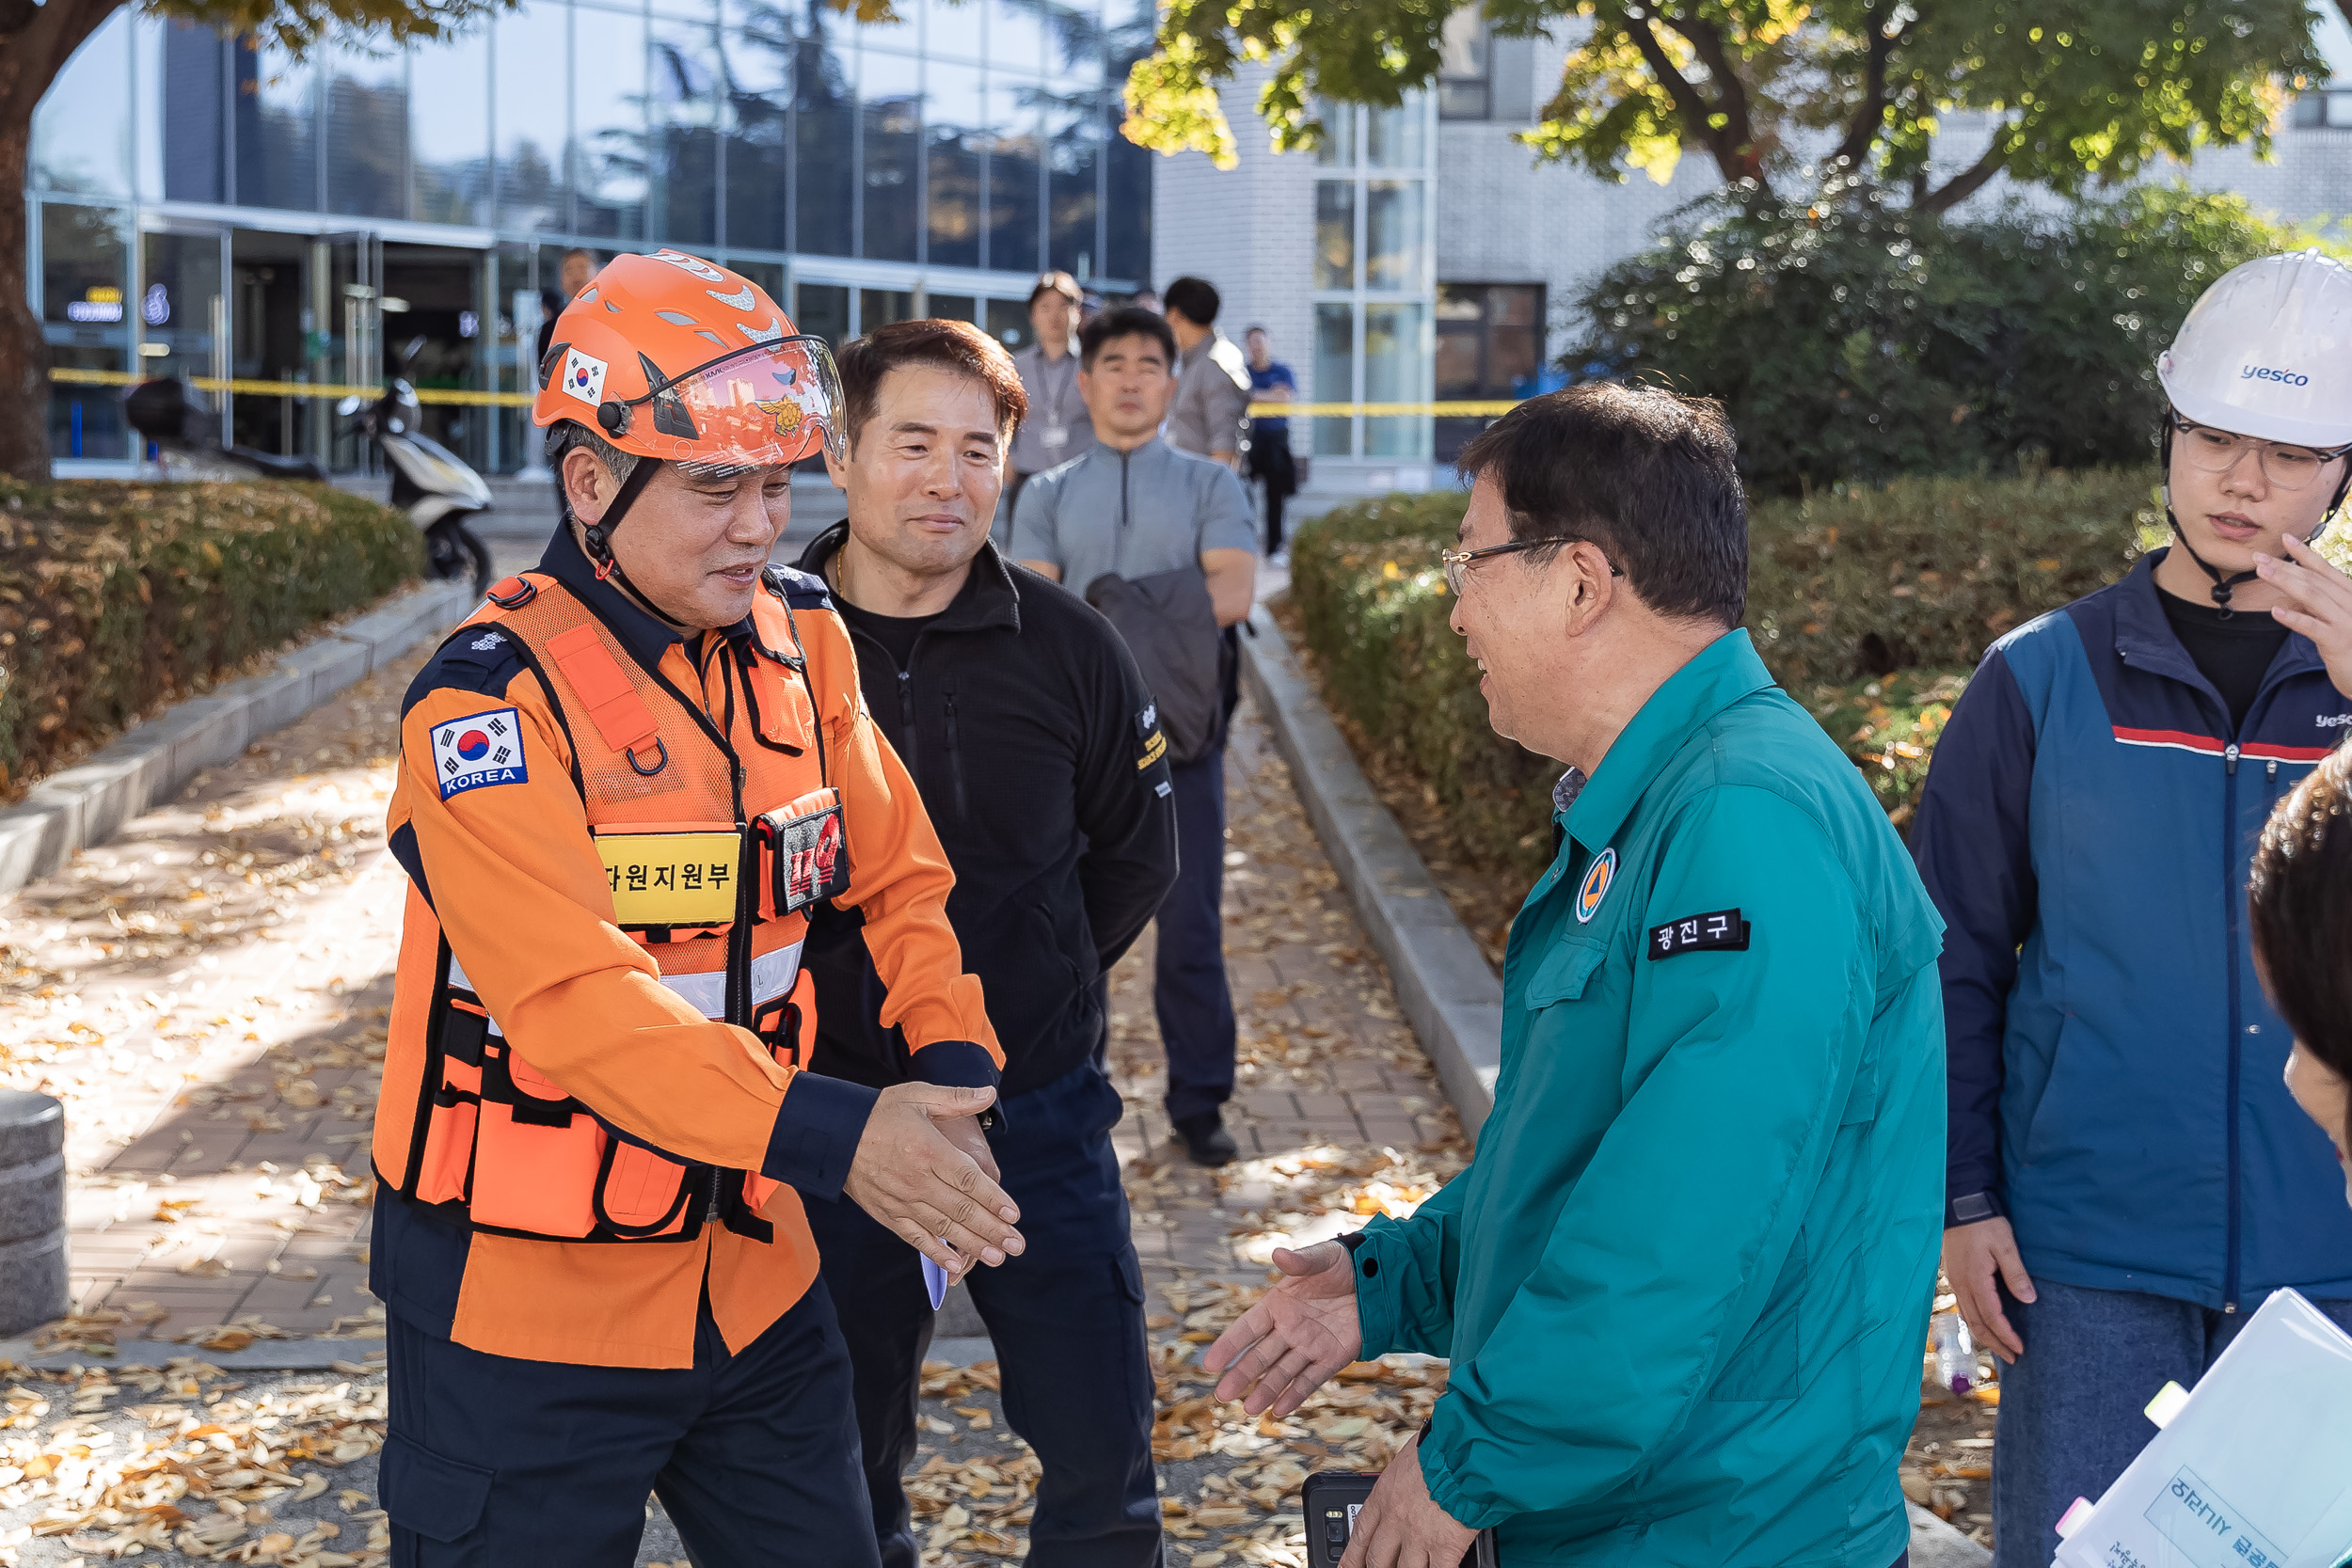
(1684, 1284)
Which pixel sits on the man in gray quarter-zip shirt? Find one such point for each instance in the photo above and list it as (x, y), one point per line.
(1135, 506)
(1058, 428)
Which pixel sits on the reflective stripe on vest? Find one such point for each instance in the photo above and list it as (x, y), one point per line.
(700, 843)
(772, 975)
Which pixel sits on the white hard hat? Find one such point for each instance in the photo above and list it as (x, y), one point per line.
(2267, 352)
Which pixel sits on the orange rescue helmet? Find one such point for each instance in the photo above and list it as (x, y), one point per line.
(672, 357)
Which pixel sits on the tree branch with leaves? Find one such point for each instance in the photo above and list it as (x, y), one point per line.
(2065, 92)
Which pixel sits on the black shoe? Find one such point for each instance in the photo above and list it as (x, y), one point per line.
(1205, 1140)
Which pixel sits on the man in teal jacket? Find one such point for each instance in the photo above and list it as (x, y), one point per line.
(1684, 1285)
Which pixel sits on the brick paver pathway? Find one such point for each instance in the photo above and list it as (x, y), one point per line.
(1327, 1062)
(208, 994)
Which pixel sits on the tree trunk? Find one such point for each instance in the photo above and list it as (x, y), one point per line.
(1734, 159)
(24, 355)
(35, 44)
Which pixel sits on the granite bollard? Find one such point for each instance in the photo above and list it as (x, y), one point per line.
(33, 1284)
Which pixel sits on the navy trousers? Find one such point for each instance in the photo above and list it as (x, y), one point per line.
(1189, 992)
(1066, 1317)
(492, 1462)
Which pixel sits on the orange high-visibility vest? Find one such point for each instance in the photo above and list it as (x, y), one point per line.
(712, 852)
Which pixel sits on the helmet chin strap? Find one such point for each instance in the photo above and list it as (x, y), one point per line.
(2222, 586)
(597, 538)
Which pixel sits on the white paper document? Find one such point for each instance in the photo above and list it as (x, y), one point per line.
(2253, 1470)
(935, 1281)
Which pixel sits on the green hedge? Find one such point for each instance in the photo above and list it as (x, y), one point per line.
(1870, 606)
(117, 596)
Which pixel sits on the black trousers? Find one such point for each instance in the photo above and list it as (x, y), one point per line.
(1190, 994)
(493, 1461)
(1066, 1318)
(1270, 460)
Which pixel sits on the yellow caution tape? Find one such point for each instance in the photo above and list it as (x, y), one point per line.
(523, 400)
(294, 388)
(1341, 410)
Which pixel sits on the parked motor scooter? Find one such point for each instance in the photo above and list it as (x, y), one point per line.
(438, 489)
(187, 439)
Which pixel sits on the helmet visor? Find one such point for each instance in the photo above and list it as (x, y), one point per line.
(770, 404)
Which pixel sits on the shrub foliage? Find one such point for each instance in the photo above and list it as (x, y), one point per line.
(1871, 607)
(116, 596)
(1854, 339)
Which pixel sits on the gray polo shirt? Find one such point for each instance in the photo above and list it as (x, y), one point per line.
(1151, 509)
(1059, 427)
(1212, 396)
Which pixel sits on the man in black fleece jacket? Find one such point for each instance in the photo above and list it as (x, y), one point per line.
(1023, 721)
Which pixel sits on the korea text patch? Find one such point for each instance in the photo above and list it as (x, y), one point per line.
(1719, 930)
(479, 751)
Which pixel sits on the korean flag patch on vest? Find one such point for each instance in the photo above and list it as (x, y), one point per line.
(479, 751)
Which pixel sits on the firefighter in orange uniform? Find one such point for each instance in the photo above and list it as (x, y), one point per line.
(623, 784)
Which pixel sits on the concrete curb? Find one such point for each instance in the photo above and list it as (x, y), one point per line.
(266, 1356)
(1451, 997)
(151, 762)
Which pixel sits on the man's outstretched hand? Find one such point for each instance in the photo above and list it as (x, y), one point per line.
(909, 1174)
(1301, 1332)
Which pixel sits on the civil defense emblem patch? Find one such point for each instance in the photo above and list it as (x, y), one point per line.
(1596, 885)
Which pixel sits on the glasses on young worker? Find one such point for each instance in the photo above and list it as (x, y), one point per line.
(1458, 563)
(2283, 467)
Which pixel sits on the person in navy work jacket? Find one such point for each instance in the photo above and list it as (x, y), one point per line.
(2128, 1177)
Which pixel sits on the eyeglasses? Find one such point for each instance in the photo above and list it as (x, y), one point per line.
(2285, 468)
(1458, 562)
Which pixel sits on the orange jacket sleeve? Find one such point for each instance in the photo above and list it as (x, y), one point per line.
(899, 879)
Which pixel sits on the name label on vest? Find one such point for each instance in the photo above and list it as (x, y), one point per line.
(671, 879)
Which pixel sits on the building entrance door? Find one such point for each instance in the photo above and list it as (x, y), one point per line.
(345, 335)
(434, 301)
(182, 313)
(268, 314)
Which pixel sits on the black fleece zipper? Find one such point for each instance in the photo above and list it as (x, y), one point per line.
(955, 757)
(906, 719)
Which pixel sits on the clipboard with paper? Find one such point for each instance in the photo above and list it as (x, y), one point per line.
(2254, 1469)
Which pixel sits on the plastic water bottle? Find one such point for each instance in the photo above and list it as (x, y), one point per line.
(1955, 1352)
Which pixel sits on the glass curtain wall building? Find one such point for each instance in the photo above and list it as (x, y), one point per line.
(207, 206)
(1374, 276)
